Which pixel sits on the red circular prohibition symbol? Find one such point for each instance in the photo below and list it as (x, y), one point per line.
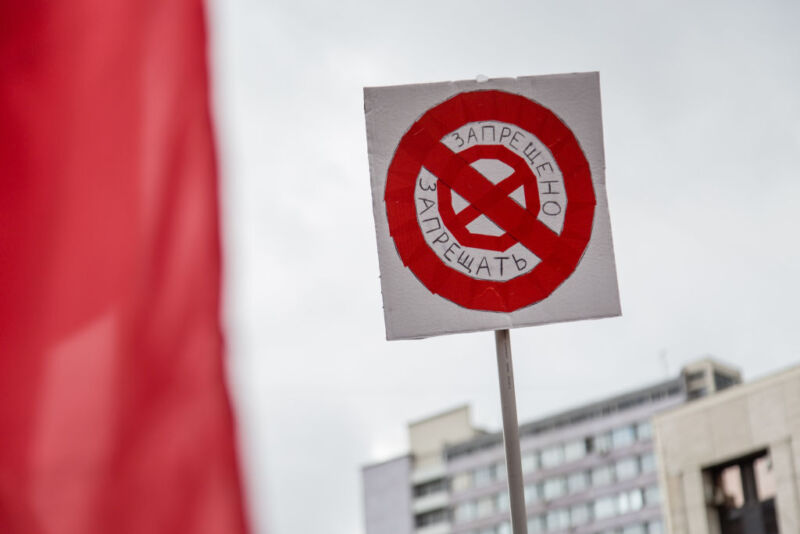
(422, 146)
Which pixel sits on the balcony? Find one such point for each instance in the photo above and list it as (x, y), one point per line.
(431, 501)
(435, 528)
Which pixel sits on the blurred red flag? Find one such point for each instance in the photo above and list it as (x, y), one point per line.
(114, 415)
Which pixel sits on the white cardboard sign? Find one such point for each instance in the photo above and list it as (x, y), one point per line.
(490, 204)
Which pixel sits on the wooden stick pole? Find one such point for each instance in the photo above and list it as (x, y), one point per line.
(508, 403)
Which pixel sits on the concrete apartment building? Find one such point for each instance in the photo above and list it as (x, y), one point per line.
(588, 470)
(730, 464)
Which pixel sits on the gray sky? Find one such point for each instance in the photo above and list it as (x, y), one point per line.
(702, 140)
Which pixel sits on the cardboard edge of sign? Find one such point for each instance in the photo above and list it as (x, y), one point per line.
(617, 312)
(489, 81)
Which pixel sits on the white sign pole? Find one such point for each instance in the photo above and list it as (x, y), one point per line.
(508, 403)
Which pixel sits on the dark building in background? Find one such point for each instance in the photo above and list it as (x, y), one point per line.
(730, 464)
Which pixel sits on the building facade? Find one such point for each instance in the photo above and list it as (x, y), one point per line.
(730, 464)
(589, 470)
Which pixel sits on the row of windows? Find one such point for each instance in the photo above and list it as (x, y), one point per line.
(561, 518)
(502, 528)
(574, 516)
(428, 488)
(651, 527)
(603, 410)
(482, 507)
(432, 517)
(571, 451)
(555, 487)
(622, 469)
(479, 477)
(556, 455)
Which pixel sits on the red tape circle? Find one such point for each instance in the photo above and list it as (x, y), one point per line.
(559, 253)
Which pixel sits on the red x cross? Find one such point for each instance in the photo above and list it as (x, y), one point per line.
(521, 177)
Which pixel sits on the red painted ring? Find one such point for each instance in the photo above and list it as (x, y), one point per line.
(432, 272)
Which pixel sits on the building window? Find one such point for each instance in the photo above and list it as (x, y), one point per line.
(623, 506)
(627, 468)
(655, 527)
(553, 456)
(579, 515)
(722, 381)
(504, 528)
(530, 462)
(574, 450)
(648, 462)
(729, 488)
(743, 492)
(430, 518)
(634, 529)
(644, 431)
(501, 501)
(577, 482)
(536, 525)
(697, 393)
(462, 481)
(602, 476)
(427, 488)
(557, 520)
(531, 493)
(623, 437)
(465, 511)
(500, 470)
(554, 488)
(695, 376)
(485, 506)
(602, 442)
(635, 500)
(630, 501)
(765, 478)
(483, 476)
(652, 496)
(605, 507)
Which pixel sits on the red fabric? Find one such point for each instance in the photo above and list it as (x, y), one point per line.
(114, 415)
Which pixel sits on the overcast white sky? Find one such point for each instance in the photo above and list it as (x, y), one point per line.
(702, 138)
